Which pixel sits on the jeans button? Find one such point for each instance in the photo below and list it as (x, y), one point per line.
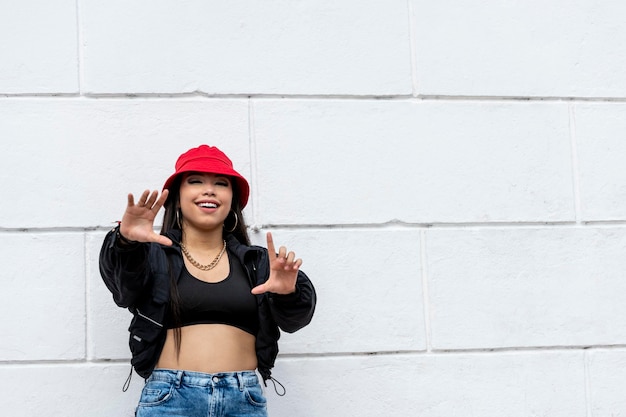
(216, 379)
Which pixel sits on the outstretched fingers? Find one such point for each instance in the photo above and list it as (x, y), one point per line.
(138, 220)
(260, 289)
(143, 198)
(161, 200)
(297, 264)
(287, 260)
(131, 200)
(163, 240)
(149, 200)
(270, 245)
(152, 200)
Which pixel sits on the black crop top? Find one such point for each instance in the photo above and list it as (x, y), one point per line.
(226, 302)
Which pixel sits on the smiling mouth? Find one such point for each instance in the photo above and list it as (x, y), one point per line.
(207, 205)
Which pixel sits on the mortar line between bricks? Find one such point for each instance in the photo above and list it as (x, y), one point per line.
(79, 49)
(425, 290)
(419, 226)
(87, 260)
(413, 47)
(582, 348)
(338, 97)
(253, 165)
(53, 362)
(361, 226)
(441, 352)
(435, 352)
(521, 98)
(574, 162)
(587, 382)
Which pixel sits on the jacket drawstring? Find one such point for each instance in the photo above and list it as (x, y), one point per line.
(127, 383)
(275, 381)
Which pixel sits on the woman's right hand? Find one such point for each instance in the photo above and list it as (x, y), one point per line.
(138, 220)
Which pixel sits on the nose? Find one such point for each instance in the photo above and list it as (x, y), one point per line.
(209, 189)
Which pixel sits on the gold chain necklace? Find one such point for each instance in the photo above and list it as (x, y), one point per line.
(197, 264)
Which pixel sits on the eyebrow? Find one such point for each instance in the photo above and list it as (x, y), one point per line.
(202, 174)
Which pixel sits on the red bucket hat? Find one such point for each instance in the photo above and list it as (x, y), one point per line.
(210, 160)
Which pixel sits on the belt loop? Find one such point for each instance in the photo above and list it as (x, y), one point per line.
(179, 378)
(241, 379)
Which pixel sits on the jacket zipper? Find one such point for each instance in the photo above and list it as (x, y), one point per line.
(149, 319)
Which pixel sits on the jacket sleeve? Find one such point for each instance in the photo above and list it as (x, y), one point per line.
(124, 269)
(294, 311)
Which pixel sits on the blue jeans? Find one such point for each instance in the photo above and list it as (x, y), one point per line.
(194, 394)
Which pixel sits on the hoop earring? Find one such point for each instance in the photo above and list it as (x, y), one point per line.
(178, 219)
(235, 225)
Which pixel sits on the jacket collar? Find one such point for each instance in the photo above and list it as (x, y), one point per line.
(175, 236)
(236, 247)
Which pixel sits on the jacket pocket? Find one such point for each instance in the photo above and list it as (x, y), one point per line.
(144, 342)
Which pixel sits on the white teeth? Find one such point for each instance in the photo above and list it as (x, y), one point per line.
(208, 205)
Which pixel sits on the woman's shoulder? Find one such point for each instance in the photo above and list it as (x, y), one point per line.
(242, 249)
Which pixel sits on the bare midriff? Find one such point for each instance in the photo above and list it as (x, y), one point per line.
(210, 348)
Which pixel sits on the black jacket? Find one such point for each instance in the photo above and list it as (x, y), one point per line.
(138, 276)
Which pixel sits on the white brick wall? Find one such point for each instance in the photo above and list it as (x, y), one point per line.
(451, 173)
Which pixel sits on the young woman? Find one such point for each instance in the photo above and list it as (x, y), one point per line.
(207, 306)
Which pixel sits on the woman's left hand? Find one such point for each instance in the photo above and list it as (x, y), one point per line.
(283, 270)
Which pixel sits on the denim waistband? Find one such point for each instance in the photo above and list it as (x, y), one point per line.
(220, 379)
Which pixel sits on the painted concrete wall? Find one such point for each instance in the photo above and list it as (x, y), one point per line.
(451, 172)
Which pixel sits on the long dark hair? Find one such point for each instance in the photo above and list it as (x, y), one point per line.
(172, 220)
